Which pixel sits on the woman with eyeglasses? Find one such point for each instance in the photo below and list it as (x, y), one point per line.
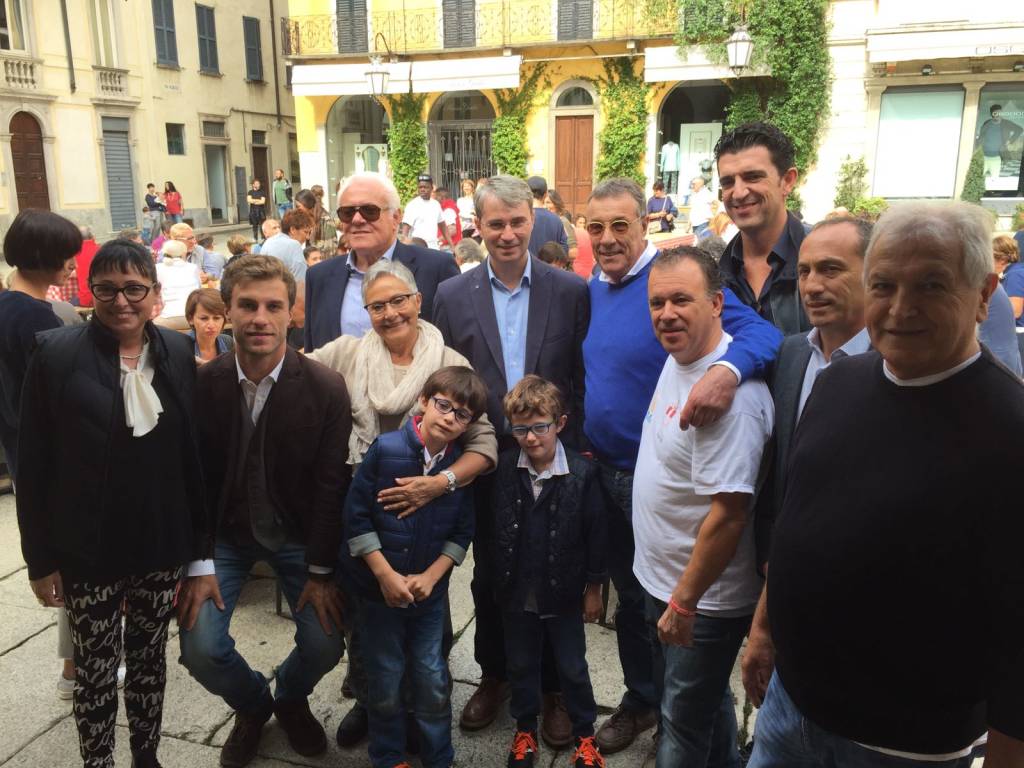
(384, 372)
(110, 502)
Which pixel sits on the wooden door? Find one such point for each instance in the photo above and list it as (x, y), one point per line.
(261, 167)
(574, 160)
(29, 164)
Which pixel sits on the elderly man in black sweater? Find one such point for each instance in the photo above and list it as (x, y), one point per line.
(894, 595)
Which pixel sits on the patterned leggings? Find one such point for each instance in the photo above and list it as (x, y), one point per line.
(95, 609)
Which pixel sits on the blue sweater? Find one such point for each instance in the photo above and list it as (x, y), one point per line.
(623, 360)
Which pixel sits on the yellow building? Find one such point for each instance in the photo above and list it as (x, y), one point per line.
(100, 97)
(914, 86)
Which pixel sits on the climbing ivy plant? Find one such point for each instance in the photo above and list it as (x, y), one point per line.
(791, 42)
(407, 142)
(508, 134)
(622, 141)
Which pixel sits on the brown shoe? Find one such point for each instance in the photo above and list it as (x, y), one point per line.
(305, 734)
(555, 726)
(482, 707)
(618, 731)
(244, 739)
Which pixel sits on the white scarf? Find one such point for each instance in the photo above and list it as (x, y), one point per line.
(372, 386)
(142, 407)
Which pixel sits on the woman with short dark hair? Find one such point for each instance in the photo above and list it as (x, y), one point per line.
(110, 503)
(41, 246)
(206, 315)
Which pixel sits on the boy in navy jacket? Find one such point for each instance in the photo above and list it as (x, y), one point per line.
(401, 568)
(549, 554)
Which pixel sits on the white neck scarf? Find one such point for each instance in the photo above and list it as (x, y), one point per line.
(142, 406)
(372, 387)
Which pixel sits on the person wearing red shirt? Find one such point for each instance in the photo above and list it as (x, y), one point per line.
(172, 199)
(83, 259)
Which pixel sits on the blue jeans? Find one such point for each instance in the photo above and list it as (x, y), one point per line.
(635, 642)
(700, 229)
(783, 738)
(208, 650)
(698, 716)
(394, 638)
(282, 208)
(175, 218)
(524, 639)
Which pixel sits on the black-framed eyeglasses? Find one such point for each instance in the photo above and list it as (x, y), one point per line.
(619, 226)
(445, 406)
(369, 212)
(540, 429)
(133, 292)
(397, 303)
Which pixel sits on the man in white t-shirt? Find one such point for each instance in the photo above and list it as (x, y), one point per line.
(692, 498)
(700, 205)
(422, 215)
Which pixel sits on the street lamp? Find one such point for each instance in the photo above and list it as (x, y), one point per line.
(377, 76)
(739, 47)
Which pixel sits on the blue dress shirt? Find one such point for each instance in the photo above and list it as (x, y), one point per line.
(511, 308)
(355, 320)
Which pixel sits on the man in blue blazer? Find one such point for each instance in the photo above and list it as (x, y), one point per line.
(371, 212)
(511, 316)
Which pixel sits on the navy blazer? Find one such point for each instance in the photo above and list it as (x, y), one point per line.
(326, 283)
(556, 325)
(547, 227)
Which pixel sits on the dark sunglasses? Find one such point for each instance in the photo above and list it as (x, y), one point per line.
(369, 212)
(619, 226)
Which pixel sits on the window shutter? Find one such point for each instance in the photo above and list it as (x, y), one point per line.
(253, 55)
(459, 23)
(351, 16)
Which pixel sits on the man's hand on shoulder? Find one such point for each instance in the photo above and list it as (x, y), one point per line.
(710, 399)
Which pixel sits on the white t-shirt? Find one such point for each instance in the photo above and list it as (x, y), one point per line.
(700, 207)
(177, 279)
(466, 211)
(678, 472)
(423, 216)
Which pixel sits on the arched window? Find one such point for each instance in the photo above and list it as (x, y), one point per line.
(575, 97)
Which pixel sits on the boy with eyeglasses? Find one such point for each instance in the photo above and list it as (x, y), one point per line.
(400, 568)
(549, 554)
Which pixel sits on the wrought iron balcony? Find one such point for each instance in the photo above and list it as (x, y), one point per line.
(490, 25)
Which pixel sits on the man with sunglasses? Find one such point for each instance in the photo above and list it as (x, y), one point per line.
(371, 212)
(623, 361)
(514, 315)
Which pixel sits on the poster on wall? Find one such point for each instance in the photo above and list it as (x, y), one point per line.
(1000, 136)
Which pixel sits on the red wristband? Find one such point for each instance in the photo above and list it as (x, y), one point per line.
(679, 609)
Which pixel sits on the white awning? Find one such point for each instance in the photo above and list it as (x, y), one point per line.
(927, 43)
(663, 64)
(427, 76)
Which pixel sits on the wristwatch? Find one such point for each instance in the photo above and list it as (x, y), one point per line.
(453, 483)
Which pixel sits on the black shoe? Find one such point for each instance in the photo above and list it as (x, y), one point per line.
(145, 761)
(412, 734)
(305, 734)
(346, 689)
(353, 727)
(523, 750)
(244, 739)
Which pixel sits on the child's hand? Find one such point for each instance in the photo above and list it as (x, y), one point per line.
(592, 603)
(396, 593)
(421, 585)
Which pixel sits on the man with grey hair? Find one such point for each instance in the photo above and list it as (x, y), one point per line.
(623, 360)
(514, 315)
(900, 516)
(371, 213)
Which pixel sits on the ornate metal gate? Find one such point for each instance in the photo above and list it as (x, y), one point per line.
(460, 149)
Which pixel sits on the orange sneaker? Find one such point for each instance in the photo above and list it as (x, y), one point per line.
(587, 754)
(524, 748)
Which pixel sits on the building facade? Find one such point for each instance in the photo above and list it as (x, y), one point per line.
(914, 90)
(100, 97)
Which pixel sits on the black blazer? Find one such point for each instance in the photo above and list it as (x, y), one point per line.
(557, 321)
(326, 283)
(305, 449)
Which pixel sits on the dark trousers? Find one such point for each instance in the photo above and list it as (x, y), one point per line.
(489, 634)
(525, 633)
(636, 645)
(95, 609)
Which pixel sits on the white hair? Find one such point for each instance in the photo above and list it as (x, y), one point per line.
(390, 192)
(383, 268)
(946, 222)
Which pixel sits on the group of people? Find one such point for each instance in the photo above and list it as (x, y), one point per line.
(834, 497)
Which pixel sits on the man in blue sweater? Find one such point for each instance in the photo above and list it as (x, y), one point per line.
(623, 361)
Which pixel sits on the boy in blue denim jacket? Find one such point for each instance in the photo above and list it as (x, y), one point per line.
(401, 568)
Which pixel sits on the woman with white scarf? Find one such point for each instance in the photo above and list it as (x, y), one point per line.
(384, 372)
(110, 494)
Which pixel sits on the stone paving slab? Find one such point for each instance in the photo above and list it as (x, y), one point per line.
(19, 624)
(10, 556)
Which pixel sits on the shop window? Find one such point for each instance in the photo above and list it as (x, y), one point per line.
(1000, 136)
(918, 142)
